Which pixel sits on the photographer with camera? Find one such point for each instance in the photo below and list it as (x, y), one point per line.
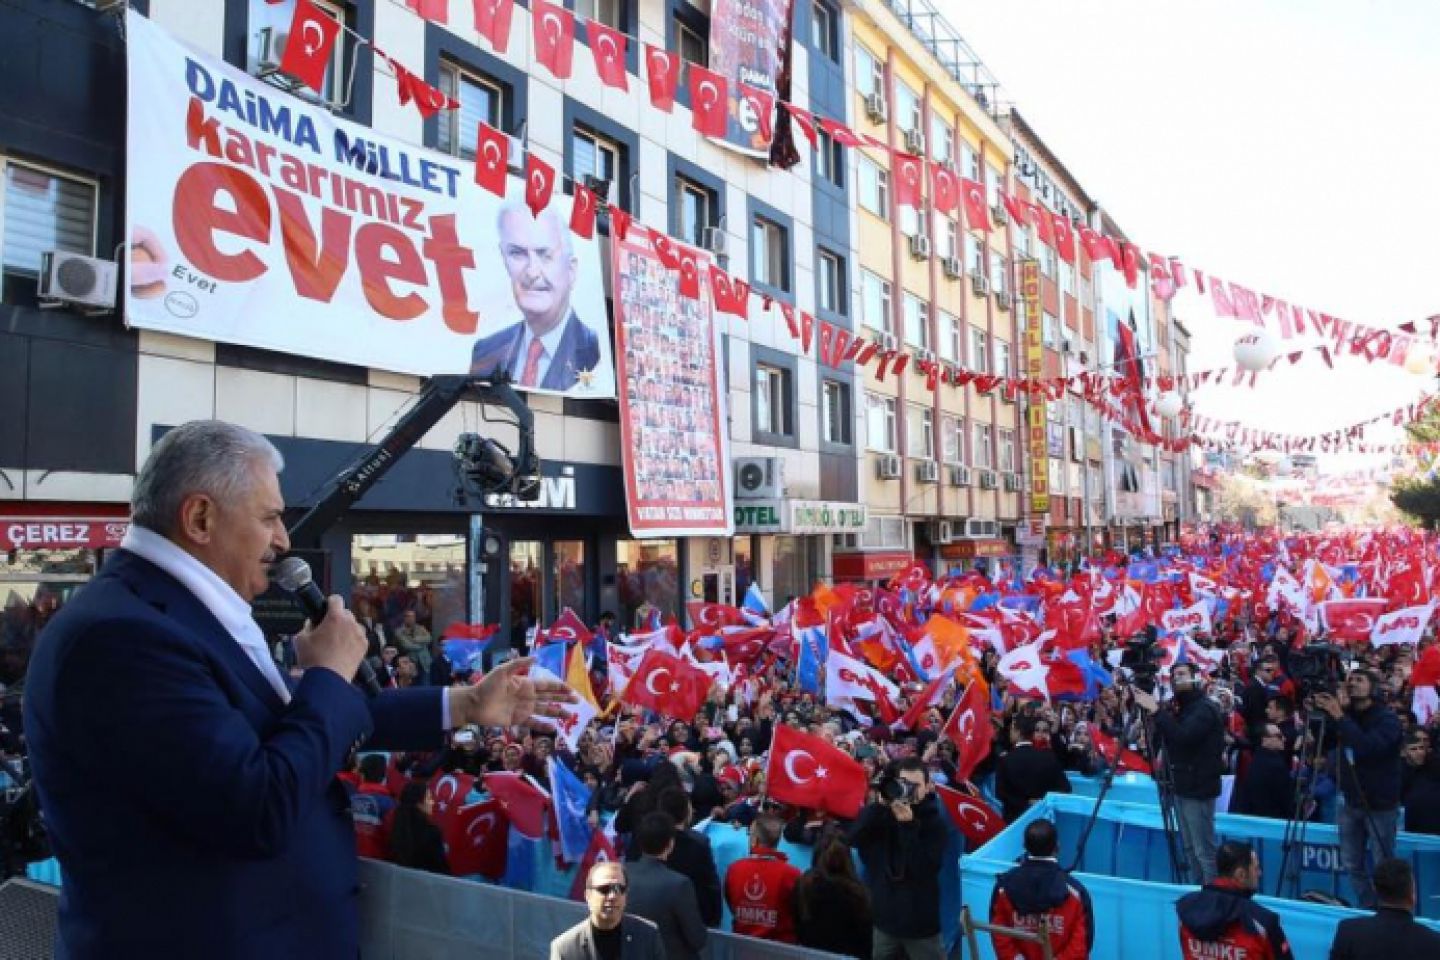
(1192, 735)
(1366, 734)
(901, 842)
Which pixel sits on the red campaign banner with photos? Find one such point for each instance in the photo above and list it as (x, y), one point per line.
(672, 406)
(747, 45)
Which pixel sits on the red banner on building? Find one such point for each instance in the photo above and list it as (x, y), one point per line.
(61, 533)
(672, 408)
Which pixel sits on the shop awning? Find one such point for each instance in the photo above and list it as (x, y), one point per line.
(68, 532)
(972, 549)
(870, 566)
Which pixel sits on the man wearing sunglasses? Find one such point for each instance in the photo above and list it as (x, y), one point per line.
(608, 934)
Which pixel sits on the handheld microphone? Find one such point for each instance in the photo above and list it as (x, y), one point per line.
(293, 576)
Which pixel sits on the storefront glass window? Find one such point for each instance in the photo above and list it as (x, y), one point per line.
(649, 579)
(34, 585)
(526, 573)
(744, 566)
(797, 562)
(393, 574)
(569, 577)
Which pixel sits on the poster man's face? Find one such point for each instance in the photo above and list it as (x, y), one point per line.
(541, 268)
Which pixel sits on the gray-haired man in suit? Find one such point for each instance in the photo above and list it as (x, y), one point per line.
(608, 934)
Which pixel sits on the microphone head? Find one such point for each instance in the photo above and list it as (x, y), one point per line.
(291, 574)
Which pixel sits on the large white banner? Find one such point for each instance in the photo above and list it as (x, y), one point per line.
(259, 219)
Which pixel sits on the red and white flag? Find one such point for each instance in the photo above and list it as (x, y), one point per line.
(971, 815)
(523, 802)
(931, 696)
(907, 173)
(552, 30)
(492, 21)
(492, 158)
(1064, 237)
(668, 685)
(849, 681)
(808, 772)
(944, 189)
(709, 97)
(608, 47)
(539, 183)
(475, 840)
(662, 73)
(582, 212)
(307, 48)
(973, 193)
(969, 728)
(437, 10)
(1406, 625)
(762, 104)
(1351, 620)
(602, 849)
(448, 791)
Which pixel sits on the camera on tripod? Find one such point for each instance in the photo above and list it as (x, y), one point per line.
(1142, 656)
(1317, 669)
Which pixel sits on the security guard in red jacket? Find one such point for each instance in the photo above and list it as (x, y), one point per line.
(1040, 895)
(1221, 922)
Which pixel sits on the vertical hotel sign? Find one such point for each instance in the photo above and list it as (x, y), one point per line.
(1035, 370)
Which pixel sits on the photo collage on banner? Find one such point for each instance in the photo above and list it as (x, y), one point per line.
(672, 406)
(262, 220)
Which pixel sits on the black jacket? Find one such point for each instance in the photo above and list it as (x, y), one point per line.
(1372, 738)
(1390, 933)
(1266, 789)
(1025, 774)
(1422, 798)
(1194, 741)
(902, 867)
(693, 857)
(833, 916)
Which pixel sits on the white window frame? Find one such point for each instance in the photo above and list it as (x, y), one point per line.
(979, 350)
(608, 12)
(869, 72)
(982, 445)
(831, 393)
(772, 396)
(950, 347)
(772, 253)
(602, 145)
(922, 432)
(829, 49)
(904, 94)
(873, 180)
(884, 409)
(461, 143)
(917, 326)
(885, 322)
(1005, 444)
(830, 288)
(50, 171)
(685, 189)
(684, 33)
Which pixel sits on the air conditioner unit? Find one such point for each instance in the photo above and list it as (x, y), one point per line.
(889, 468)
(940, 531)
(713, 239)
(915, 141)
(875, 108)
(1012, 482)
(1000, 214)
(987, 479)
(977, 529)
(759, 478)
(959, 475)
(980, 283)
(887, 340)
(1002, 299)
(927, 471)
(951, 266)
(920, 246)
(71, 278)
(272, 48)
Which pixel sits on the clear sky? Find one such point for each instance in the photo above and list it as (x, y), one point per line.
(1287, 145)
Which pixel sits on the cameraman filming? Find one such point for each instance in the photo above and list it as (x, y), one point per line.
(1193, 737)
(1367, 768)
(901, 842)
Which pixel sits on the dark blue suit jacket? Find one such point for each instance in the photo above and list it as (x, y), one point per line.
(578, 350)
(193, 813)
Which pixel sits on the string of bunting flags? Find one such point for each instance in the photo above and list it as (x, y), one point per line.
(1348, 437)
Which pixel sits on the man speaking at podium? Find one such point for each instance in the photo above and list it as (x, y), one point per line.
(189, 789)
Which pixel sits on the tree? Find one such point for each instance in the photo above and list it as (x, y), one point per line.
(1245, 501)
(1418, 496)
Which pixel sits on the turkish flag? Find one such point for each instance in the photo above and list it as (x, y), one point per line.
(807, 330)
(449, 791)
(670, 686)
(808, 772)
(929, 697)
(689, 273)
(707, 618)
(1092, 242)
(539, 183)
(1351, 620)
(428, 100)
(523, 802)
(582, 213)
(762, 104)
(840, 133)
(492, 21)
(827, 335)
(492, 158)
(1426, 672)
(971, 815)
(552, 29)
(608, 46)
(740, 298)
(307, 49)
(709, 100)
(619, 222)
(437, 10)
(567, 626)
(788, 312)
(722, 290)
(974, 195)
(1131, 265)
(665, 250)
(1064, 237)
(1018, 213)
(969, 728)
(475, 840)
(907, 173)
(1044, 226)
(601, 850)
(944, 188)
(662, 72)
(867, 353)
(805, 120)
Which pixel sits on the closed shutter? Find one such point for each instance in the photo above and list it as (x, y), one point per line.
(43, 211)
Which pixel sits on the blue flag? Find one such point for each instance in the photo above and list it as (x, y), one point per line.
(811, 661)
(755, 601)
(552, 657)
(466, 654)
(569, 797)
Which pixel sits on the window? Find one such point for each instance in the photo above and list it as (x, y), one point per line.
(609, 12)
(917, 329)
(481, 100)
(942, 139)
(950, 346)
(43, 210)
(874, 186)
(979, 350)
(1048, 260)
(876, 307)
(695, 210)
(907, 108)
(835, 417)
(1002, 359)
(271, 21)
(948, 230)
(909, 221)
(823, 36)
(1050, 331)
(1067, 278)
(974, 256)
(830, 283)
(869, 72)
(994, 179)
(921, 437)
(1021, 238)
(829, 159)
(1007, 450)
(880, 423)
(772, 400)
(980, 450)
(592, 155)
(999, 273)
(969, 161)
(769, 254)
(950, 440)
(691, 45)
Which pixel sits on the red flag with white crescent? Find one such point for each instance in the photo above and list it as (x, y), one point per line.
(972, 816)
(582, 213)
(307, 50)
(969, 728)
(492, 158)
(906, 172)
(709, 98)
(973, 193)
(809, 772)
(668, 685)
(607, 46)
(475, 840)
(662, 72)
(552, 30)
(539, 183)
(492, 21)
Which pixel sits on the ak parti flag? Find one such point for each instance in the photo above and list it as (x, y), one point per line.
(808, 772)
(307, 49)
